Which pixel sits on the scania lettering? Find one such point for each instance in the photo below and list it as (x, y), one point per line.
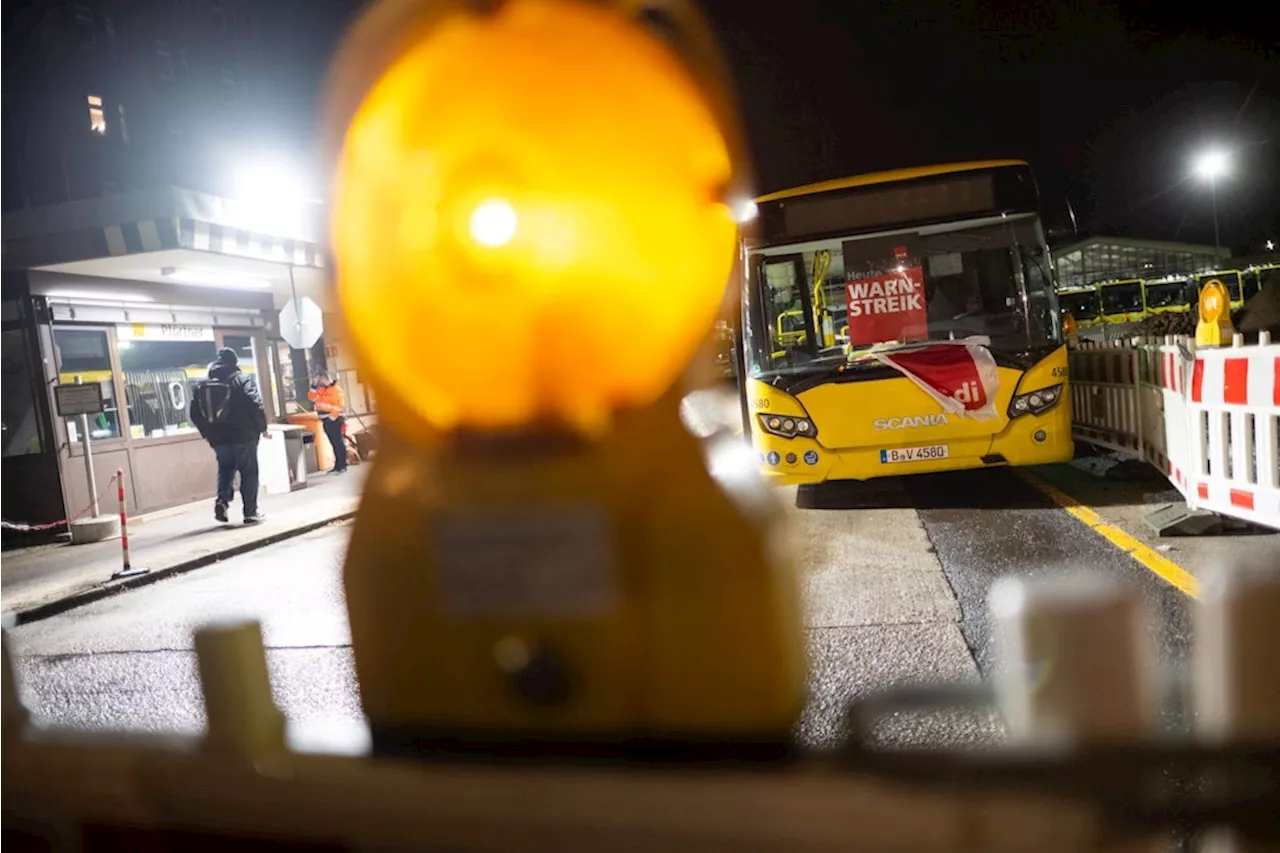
(911, 423)
(926, 290)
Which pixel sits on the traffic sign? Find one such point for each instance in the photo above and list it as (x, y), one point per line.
(78, 399)
(301, 323)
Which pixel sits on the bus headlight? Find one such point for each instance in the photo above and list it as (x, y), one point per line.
(1035, 402)
(787, 427)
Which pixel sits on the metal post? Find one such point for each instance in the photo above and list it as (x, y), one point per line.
(126, 569)
(124, 521)
(88, 459)
(1217, 246)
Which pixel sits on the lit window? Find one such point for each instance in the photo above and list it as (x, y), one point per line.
(162, 366)
(97, 118)
(85, 353)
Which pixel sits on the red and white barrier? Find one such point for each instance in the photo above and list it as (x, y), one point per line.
(1164, 369)
(1208, 419)
(1233, 420)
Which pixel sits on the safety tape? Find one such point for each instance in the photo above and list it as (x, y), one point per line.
(17, 525)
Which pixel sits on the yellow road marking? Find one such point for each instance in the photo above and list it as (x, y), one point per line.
(1168, 571)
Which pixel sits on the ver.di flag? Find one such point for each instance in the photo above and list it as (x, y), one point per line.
(961, 375)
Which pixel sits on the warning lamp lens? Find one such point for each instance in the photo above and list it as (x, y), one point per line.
(533, 195)
(493, 223)
(1211, 301)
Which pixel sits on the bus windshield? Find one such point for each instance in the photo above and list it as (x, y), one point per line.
(1167, 294)
(1121, 298)
(1231, 279)
(987, 277)
(1081, 304)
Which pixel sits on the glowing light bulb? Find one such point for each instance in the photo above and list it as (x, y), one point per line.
(527, 189)
(493, 223)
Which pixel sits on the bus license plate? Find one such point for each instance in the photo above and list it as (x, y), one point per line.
(914, 454)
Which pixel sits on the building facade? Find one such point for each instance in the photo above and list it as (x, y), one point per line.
(127, 259)
(1100, 259)
(103, 96)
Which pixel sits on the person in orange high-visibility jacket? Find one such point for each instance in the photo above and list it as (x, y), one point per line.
(330, 403)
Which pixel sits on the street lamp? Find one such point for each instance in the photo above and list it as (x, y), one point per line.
(1211, 165)
(271, 180)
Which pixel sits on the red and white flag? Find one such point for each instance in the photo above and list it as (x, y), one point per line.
(961, 375)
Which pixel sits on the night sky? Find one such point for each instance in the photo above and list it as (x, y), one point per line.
(1108, 101)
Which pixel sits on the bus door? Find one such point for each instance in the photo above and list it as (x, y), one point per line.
(784, 305)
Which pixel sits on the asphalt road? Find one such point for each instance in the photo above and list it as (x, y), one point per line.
(895, 577)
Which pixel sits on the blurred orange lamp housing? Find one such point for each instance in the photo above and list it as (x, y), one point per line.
(529, 220)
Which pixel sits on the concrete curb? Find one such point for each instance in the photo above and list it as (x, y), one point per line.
(88, 596)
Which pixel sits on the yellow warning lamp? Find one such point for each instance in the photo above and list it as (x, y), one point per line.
(1214, 328)
(531, 238)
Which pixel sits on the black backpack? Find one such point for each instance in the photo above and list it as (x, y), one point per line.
(213, 396)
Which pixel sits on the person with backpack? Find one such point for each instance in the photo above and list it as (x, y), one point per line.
(227, 409)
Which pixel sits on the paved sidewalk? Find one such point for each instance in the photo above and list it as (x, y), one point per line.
(40, 581)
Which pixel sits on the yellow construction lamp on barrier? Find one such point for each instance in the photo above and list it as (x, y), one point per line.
(533, 228)
(1214, 328)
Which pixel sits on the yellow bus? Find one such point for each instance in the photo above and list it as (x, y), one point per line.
(1082, 303)
(932, 341)
(1171, 294)
(1257, 277)
(1122, 301)
(1230, 279)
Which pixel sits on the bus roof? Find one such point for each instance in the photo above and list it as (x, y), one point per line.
(887, 177)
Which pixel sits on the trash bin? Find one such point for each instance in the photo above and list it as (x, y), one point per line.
(309, 453)
(281, 467)
(311, 421)
(293, 448)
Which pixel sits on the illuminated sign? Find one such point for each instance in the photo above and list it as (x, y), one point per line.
(163, 332)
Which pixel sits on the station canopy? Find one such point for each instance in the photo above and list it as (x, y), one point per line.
(1110, 258)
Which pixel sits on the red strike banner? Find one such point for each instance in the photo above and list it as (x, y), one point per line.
(887, 307)
(960, 375)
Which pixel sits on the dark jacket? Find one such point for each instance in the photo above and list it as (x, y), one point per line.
(246, 420)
